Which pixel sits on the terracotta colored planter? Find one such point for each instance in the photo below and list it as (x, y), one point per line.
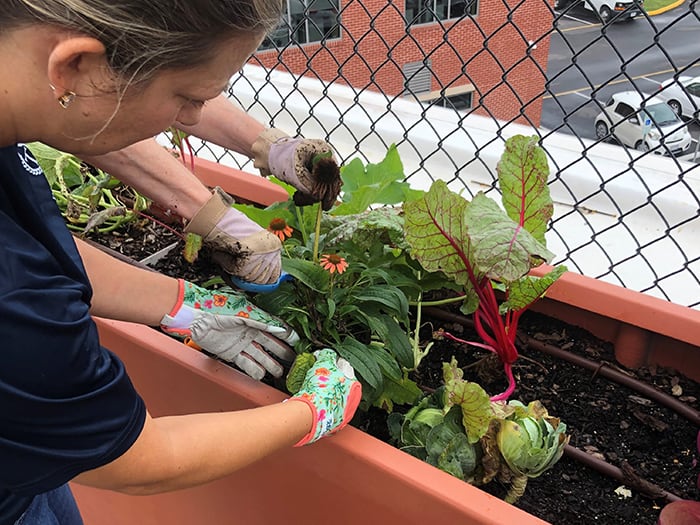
(352, 477)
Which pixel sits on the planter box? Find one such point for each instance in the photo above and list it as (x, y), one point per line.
(351, 477)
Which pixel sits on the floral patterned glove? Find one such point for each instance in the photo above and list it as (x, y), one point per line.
(227, 325)
(332, 392)
(306, 164)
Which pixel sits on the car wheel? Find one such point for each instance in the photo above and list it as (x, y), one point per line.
(605, 14)
(676, 107)
(601, 130)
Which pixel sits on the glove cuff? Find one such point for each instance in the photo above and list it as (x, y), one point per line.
(178, 321)
(208, 216)
(261, 149)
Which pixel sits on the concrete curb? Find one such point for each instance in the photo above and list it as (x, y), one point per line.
(666, 8)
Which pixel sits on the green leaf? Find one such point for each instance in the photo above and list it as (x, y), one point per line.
(394, 337)
(361, 359)
(380, 183)
(390, 368)
(522, 177)
(383, 225)
(297, 373)
(309, 273)
(389, 296)
(263, 216)
(503, 250)
(528, 289)
(401, 392)
(471, 398)
(437, 233)
(193, 243)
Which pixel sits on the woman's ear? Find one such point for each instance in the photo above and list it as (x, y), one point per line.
(75, 63)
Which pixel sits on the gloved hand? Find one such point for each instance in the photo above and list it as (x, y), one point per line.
(227, 325)
(306, 164)
(332, 392)
(239, 245)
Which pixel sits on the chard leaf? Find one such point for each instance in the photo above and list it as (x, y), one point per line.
(437, 233)
(503, 250)
(373, 184)
(522, 176)
(470, 397)
(528, 289)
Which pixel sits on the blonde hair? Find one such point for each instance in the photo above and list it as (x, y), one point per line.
(143, 37)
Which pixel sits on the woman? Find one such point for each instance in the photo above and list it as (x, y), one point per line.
(89, 77)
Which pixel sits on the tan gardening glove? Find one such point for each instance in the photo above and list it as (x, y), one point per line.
(239, 245)
(306, 164)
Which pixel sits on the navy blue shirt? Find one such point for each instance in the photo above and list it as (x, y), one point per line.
(66, 403)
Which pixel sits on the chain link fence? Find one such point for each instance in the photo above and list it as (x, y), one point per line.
(448, 81)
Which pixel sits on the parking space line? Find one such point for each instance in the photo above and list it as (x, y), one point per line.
(618, 81)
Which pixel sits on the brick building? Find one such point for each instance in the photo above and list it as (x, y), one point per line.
(493, 60)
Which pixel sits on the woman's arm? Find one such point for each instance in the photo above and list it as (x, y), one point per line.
(125, 292)
(153, 171)
(177, 452)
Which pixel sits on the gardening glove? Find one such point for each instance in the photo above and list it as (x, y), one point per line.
(306, 164)
(332, 392)
(240, 246)
(227, 325)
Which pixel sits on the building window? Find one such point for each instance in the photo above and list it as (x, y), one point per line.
(304, 22)
(459, 98)
(427, 11)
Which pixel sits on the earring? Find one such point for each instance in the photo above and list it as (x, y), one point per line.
(66, 99)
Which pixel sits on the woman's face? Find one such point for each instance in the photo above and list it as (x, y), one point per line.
(170, 97)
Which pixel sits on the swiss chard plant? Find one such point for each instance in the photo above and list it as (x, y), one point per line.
(490, 249)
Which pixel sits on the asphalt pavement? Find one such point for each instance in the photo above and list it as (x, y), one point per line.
(589, 62)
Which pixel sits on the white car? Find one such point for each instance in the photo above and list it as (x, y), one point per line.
(683, 95)
(643, 122)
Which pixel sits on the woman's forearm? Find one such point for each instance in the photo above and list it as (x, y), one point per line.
(177, 452)
(227, 125)
(125, 292)
(153, 171)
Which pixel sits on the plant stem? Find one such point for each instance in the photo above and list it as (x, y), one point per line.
(317, 233)
(437, 303)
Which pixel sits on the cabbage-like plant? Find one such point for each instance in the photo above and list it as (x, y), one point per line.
(459, 430)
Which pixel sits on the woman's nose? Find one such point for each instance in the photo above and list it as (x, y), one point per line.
(189, 115)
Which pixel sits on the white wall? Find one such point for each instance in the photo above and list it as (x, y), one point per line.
(649, 196)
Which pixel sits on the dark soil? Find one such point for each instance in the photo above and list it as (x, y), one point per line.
(603, 418)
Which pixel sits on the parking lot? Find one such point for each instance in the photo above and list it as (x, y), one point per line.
(584, 70)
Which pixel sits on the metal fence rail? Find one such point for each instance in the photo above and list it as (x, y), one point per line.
(449, 80)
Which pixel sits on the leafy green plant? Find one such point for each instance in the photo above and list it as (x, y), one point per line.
(87, 197)
(461, 431)
(488, 249)
(353, 278)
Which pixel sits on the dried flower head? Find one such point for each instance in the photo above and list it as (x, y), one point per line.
(333, 263)
(280, 228)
